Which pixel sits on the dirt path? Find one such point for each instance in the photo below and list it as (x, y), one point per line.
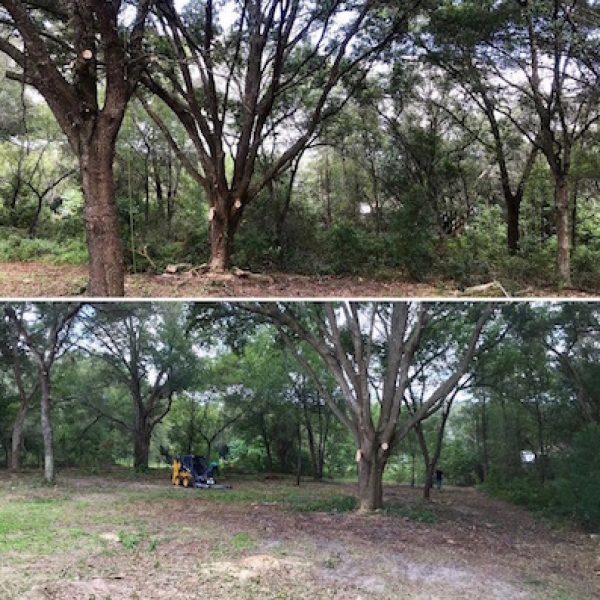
(36, 279)
(113, 538)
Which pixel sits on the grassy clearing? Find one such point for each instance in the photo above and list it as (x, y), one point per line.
(111, 536)
(29, 525)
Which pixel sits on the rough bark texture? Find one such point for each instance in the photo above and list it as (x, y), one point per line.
(563, 232)
(141, 448)
(17, 438)
(221, 238)
(46, 409)
(103, 67)
(101, 221)
(370, 482)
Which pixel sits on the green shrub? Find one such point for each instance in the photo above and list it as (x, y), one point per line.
(480, 254)
(334, 504)
(352, 250)
(582, 470)
(255, 250)
(585, 263)
(411, 241)
(418, 514)
(15, 247)
(473, 257)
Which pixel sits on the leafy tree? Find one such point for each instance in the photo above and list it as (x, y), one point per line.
(146, 351)
(297, 66)
(86, 60)
(44, 330)
(355, 341)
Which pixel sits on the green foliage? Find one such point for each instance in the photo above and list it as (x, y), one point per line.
(525, 491)
(582, 472)
(480, 255)
(416, 513)
(242, 541)
(352, 249)
(333, 504)
(411, 240)
(572, 494)
(17, 247)
(130, 540)
(255, 250)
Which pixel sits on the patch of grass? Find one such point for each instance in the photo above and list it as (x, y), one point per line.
(331, 562)
(30, 525)
(130, 540)
(563, 596)
(333, 504)
(242, 541)
(412, 513)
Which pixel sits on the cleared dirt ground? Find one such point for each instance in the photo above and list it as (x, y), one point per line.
(118, 537)
(37, 279)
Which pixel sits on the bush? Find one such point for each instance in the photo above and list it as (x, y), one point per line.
(480, 254)
(474, 256)
(585, 261)
(335, 504)
(582, 475)
(410, 241)
(255, 250)
(353, 250)
(573, 494)
(16, 247)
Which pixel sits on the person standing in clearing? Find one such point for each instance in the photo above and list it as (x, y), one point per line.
(439, 477)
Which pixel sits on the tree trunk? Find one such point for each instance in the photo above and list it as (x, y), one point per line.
(17, 438)
(370, 482)
(428, 480)
(141, 449)
(541, 462)
(46, 420)
(429, 466)
(222, 232)
(512, 224)
(267, 444)
(563, 232)
(484, 441)
(36, 216)
(299, 458)
(574, 217)
(310, 438)
(105, 249)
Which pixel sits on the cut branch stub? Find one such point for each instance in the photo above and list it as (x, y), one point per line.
(87, 54)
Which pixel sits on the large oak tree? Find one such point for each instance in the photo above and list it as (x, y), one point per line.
(85, 57)
(371, 352)
(270, 80)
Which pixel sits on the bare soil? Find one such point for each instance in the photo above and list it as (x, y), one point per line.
(143, 539)
(39, 279)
